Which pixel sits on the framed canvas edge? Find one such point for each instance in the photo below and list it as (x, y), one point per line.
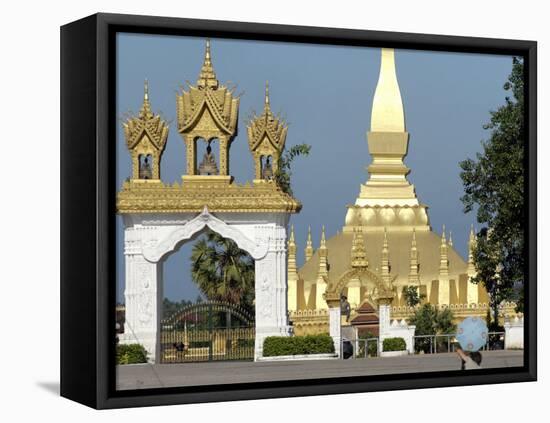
(103, 367)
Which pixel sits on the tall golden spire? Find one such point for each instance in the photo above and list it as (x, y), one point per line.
(413, 268)
(387, 107)
(450, 239)
(358, 250)
(388, 194)
(207, 77)
(443, 257)
(309, 245)
(385, 264)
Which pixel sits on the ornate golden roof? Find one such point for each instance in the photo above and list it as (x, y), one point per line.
(146, 123)
(399, 243)
(194, 194)
(208, 103)
(267, 127)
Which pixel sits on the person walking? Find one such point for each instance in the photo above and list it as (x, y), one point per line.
(470, 360)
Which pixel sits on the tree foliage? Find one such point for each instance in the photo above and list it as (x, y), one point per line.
(284, 172)
(412, 295)
(494, 183)
(222, 270)
(431, 321)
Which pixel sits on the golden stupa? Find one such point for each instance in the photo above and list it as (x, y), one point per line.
(386, 240)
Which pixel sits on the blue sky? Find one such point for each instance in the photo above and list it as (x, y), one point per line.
(325, 93)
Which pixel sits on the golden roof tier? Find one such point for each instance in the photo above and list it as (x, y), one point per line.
(387, 199)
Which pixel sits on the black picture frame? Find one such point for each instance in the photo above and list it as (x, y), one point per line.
(88, 124)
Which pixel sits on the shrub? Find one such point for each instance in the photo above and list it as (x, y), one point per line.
(394, 344)
(130, 354)
(298, 345)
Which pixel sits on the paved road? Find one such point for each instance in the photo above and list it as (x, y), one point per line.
(139, 376)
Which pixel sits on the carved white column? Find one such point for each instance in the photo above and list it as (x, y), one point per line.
(335, 329)
(384, 322)
(143, 296)
(271, 286)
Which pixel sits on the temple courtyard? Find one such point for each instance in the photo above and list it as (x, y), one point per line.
(139, 376)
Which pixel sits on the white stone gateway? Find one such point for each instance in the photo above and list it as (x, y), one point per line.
(150, 239)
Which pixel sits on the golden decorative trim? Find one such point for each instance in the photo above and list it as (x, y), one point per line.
(196, 193)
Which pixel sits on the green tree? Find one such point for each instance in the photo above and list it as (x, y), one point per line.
(494, 183)
(412, 295)
(283, 173)
(222, 270)
(431, 321)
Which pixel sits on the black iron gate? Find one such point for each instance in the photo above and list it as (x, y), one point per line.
(208, 331)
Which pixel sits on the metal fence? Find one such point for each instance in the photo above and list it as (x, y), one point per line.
(208, 331)
(423, 344)
(434, 344)
(361, 347)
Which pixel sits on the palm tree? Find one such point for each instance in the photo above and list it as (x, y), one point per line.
(223, 271)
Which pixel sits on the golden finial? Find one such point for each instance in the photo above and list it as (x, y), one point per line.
(292, 233)
(267, 92)
(145, 111)
(323, 239)
(443, 238)
(207, 76)
(387, 109)
(450, 238)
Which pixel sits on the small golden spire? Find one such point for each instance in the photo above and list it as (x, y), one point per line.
(291, 253)
(323, 254)
(145, 111)
(471, 245)
(450, 238)
(414, 266)
(358, 250)
(443, 257)
(207, 76)
(309, 245)
(385, 265)
(267, 93)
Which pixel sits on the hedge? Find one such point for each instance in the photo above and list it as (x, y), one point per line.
(298, 345)
(394, 344)
(130, 354)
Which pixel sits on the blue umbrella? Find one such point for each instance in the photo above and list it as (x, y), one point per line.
(472, 334)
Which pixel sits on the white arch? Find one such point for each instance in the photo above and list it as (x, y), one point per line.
(154, 252)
